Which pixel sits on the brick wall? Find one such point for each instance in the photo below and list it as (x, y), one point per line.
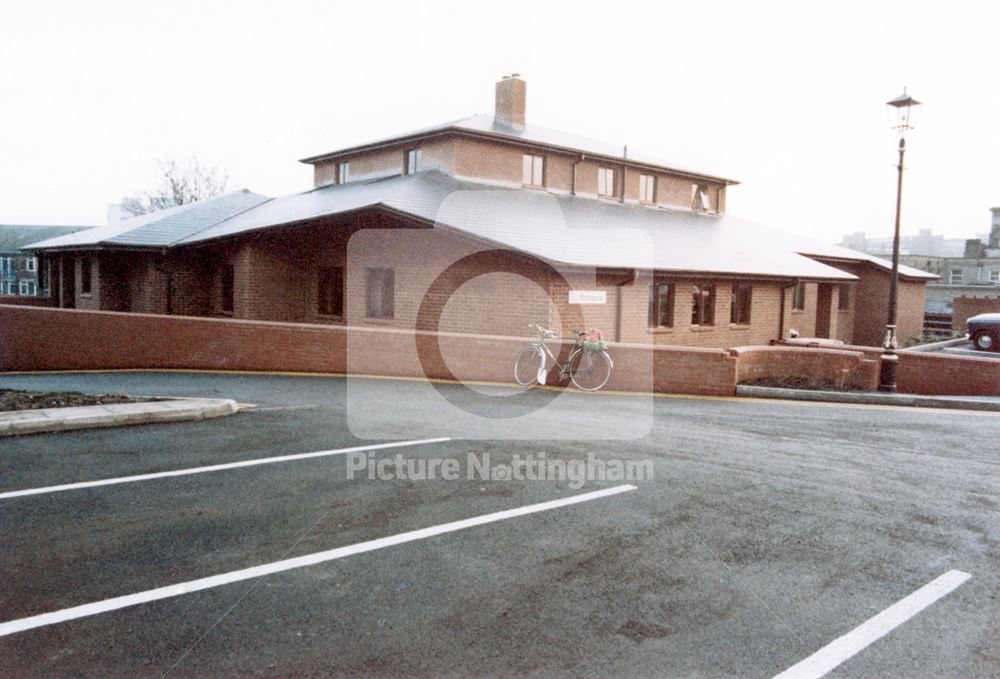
(19, 300)
(965, 308)
(36, 338)
(71, 339)
(841, 369)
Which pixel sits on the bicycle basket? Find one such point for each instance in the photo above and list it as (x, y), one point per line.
(592, 339)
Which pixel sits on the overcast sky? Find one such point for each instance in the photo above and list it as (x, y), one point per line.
(788, 98)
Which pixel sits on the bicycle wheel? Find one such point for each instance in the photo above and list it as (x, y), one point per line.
(590, 370)
(527, 366)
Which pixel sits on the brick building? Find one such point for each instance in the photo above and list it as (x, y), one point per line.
(484, 225)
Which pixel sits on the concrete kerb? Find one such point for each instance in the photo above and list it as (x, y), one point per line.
(116, 415)
(981, 403)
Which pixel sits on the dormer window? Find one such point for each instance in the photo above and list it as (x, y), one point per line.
(533, 172)
(606, 184)
(647, 188)
(700, 200)
(343, 172)
(412, 161)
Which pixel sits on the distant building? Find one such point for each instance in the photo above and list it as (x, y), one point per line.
(925, 243)
(975, 272)
(19, 271)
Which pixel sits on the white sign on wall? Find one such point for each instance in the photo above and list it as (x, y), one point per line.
(588, 297)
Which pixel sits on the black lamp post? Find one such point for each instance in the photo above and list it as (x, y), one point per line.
(903, 104)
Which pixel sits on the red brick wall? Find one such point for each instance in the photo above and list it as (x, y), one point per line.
(835, 367)
(939, 374)
(70, 339)
(964, 308)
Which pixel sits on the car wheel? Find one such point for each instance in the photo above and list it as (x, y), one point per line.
(984, 341)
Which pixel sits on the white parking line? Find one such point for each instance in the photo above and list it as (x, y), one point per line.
(86, 610)
(855, 641)
(214, 468)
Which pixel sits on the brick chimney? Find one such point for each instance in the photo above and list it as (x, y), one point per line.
(511, 95)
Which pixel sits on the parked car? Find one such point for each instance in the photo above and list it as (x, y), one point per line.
(984, 331)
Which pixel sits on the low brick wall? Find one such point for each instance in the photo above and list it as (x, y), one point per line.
(936, 374)
(824, 367)
(964, 308)
(36, 338)
(70, 339)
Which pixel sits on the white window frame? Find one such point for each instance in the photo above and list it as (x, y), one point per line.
(607, 180)
(22, 288)
(700, 200)
(533, 170)
(413, 160)
(955, 277)
(30, 264)
(343, 173)
(6, 265)
(647, 188)
(10, 288)
(994, 276)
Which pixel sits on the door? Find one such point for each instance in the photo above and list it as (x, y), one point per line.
(824, 296)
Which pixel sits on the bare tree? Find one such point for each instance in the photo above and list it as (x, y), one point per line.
(178, 185)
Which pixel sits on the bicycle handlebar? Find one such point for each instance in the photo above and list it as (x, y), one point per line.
(545, 332)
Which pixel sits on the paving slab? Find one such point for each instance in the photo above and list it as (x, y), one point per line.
(115, 415)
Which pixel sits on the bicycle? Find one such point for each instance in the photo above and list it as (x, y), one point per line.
(588, 367)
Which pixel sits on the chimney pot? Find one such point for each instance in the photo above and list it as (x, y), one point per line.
(511, 94)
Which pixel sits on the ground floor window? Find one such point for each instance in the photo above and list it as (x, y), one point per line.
(843, 297)
(27, 287)
(226, 283)
(799, 297)
(380, 291)
(9, 288)
(740, 311)
(703, 305)
(330, 299)
(86, 275)
(661, 305)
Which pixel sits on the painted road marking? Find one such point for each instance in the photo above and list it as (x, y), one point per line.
(855, 641)
(215, 468)
(87, 610)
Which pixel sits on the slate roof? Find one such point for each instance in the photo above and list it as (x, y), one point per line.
(162, 228)
(570, 230)
(490, 126)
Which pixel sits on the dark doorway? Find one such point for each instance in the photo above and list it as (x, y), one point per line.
(824, 296)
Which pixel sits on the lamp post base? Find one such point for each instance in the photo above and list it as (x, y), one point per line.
(889, 361)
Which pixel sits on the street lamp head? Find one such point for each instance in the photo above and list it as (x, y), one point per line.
(905, 112)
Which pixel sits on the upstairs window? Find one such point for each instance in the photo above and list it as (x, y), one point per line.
(412, 161)
(86, 271)
(343, 172)
(6, 265)
(703, 305)
(994, 276)
(799, 297)
(331, 291)
(533, 172)
(700, 200)
(30, 264)
(647, 188)
(606, 184)
(661, 305)
(739, 313)
(955, 278)
(380, 293)
(843, 297)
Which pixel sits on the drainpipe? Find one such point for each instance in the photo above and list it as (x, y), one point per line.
(618, 312)
(621, 196)
(781, 313)
(575, 163)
